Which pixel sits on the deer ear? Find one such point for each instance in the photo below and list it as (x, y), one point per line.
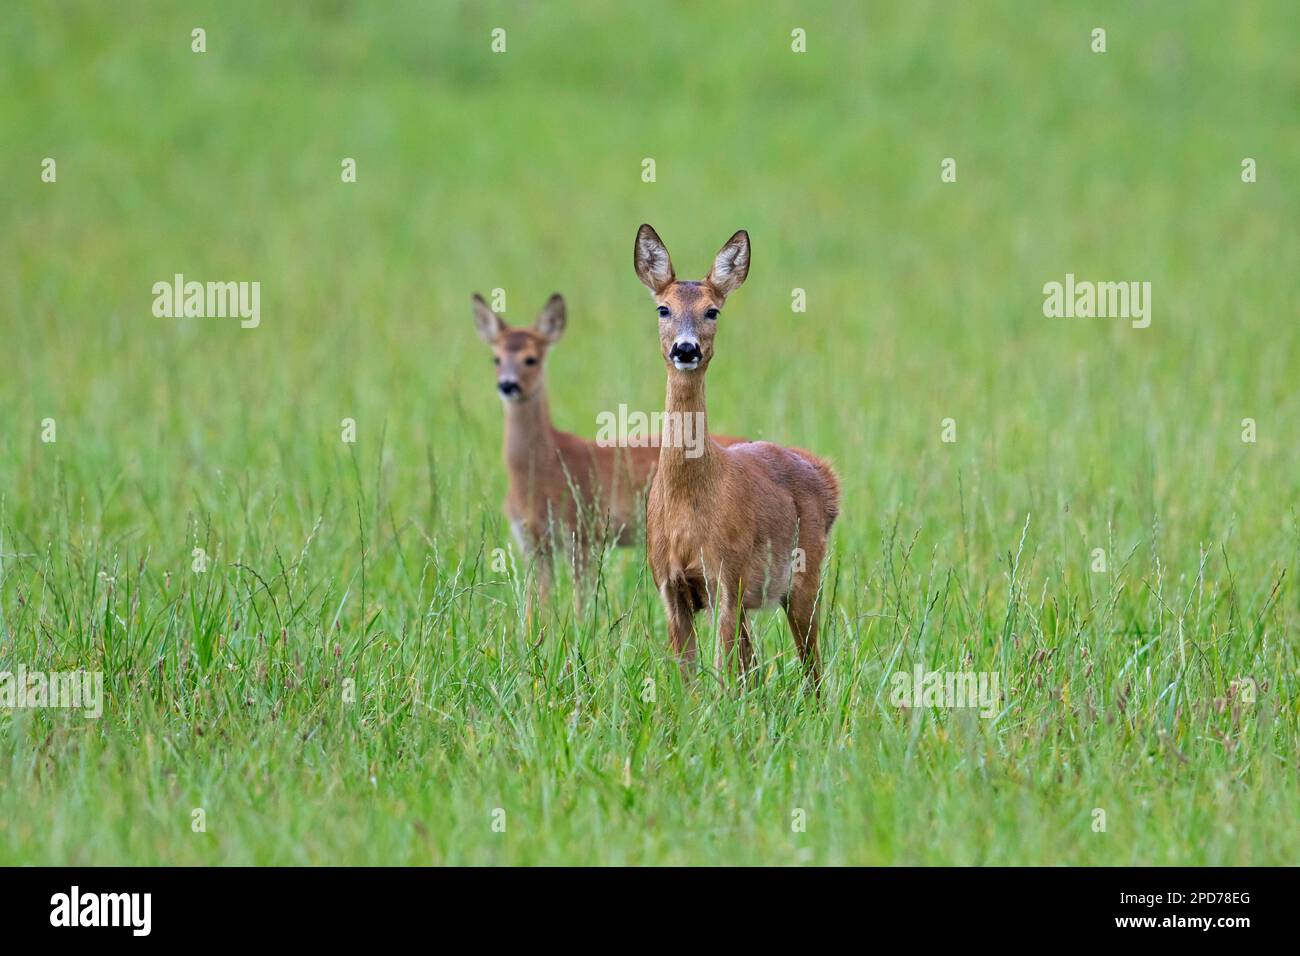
(731, 264)
(550, 321)
(487, 322)
(650, 257)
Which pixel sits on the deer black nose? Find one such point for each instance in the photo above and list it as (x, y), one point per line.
(685, 351)
(508, 387)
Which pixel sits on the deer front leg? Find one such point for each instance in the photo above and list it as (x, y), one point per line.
(538, 566)
(746, 644)
(731, 625)
(543, 575)
(681, 625)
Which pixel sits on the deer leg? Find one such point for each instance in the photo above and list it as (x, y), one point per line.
(681, 624)
(801, 612)
(731, 625)
(736, 645)
(537, 565)
(539, 591)
(746, 644)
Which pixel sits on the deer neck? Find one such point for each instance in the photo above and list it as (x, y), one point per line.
(692, 462)
(530, 437)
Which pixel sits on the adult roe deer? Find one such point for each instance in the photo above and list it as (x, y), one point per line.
(721, 527)
(560, 486)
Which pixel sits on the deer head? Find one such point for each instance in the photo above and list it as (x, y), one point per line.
(689, 310)
(518, 353)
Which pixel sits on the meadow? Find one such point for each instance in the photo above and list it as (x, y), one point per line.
(345, 674)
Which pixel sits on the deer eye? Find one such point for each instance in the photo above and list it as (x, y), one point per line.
(710, 313)
(663, 312)
(531, 360)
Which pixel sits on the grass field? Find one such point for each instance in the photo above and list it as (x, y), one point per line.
(1162, 690)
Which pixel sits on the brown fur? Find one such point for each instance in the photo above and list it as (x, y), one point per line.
(721, 528)
(562, 489)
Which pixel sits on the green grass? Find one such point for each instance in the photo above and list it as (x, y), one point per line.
(373, 562)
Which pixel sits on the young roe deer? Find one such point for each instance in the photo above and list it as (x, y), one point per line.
(721, 528)
(562, 488)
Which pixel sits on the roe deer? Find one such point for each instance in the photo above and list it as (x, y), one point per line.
(562, 488)
(721, 528)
